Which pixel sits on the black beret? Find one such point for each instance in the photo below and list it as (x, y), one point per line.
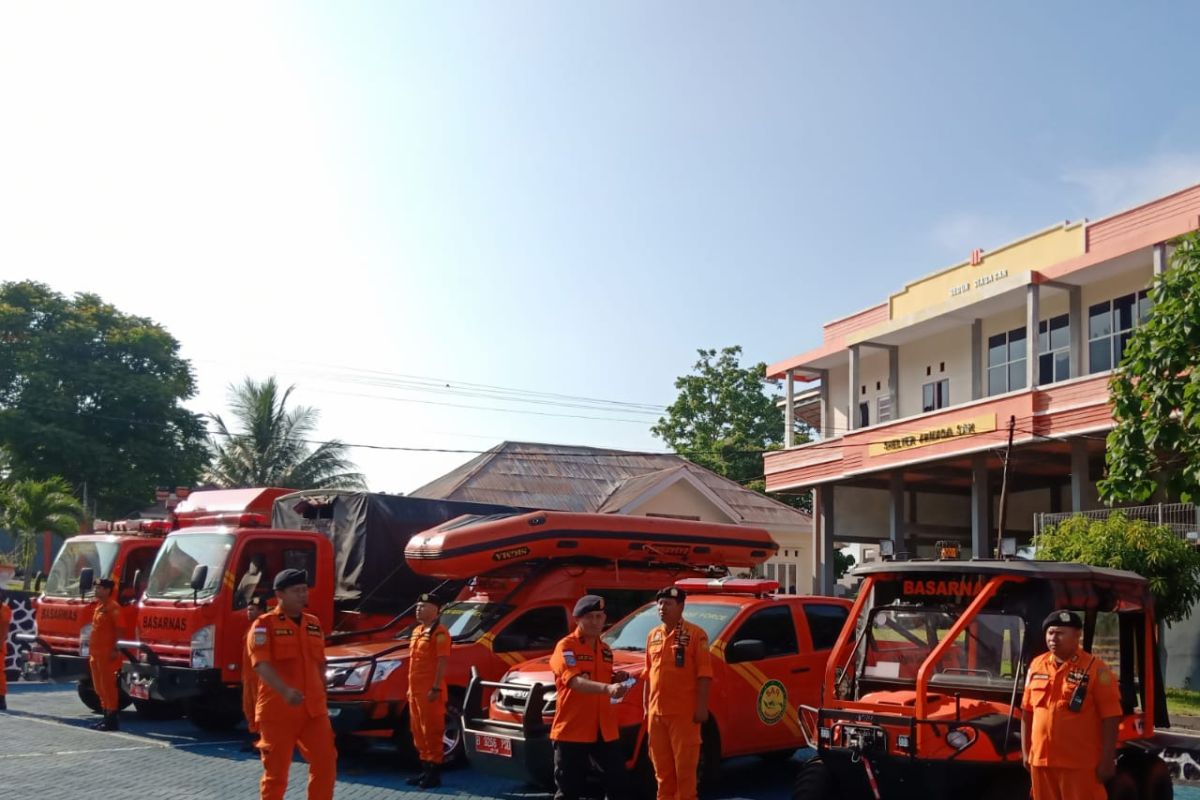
(1062, 619)
(429, 598)
(671, 593)
(107, 583)
(290, 577)
(589, 603)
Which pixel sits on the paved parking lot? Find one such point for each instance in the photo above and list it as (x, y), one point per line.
(45, 744)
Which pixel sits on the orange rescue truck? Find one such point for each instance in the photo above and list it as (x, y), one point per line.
(531, 569)
(768, 654)
(122, 551)
(191, 622)
(922, 692)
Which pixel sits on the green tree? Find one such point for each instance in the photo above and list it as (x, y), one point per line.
(1157, 553)
(272, 446)
(32, 507)
(725, 419)
(842, 562)
(95, 396)
(1156, 392)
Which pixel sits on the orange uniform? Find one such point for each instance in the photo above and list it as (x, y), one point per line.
(5, 621)
(427, 719)
(295, 649)
(1065, 745)
(676, 660)
(582, 717)
(101, 661)
(249, 683)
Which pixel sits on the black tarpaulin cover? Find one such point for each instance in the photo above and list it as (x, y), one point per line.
(368, 532)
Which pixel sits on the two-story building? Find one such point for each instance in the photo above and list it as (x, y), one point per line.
(915, 400)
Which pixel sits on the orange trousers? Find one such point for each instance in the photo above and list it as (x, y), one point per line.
(1052, 783)
(675, 753)
(250, 700)
(427, 721)
(104, 681)
(278, 739)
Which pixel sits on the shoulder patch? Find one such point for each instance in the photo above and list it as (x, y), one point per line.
(569, 657)
(260, 637)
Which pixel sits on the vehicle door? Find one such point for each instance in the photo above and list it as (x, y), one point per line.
(820, 625)
(763, 674)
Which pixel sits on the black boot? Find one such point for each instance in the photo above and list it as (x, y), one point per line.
(419, 779)
(109, 723)
(433, 778)
(3, 702)
(114, 722)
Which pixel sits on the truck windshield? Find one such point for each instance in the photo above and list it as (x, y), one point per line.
(63, 580)
(631, 632)
(899, 639)
(466, 621)
(181, 553)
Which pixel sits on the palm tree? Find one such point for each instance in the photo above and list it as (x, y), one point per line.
(31, 507)
(273, 447)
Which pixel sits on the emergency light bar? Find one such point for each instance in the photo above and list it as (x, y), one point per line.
(231, 519)
(101, 526)
(146, 526)
(754, 586)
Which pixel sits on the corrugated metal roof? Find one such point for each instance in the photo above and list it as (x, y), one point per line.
(590, 479)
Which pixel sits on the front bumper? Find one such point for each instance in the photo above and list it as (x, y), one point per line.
(902, 776)
(168, 683)
(357, 716)
(66, 669)
(520, 751)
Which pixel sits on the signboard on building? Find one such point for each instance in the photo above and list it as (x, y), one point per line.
(956, 429)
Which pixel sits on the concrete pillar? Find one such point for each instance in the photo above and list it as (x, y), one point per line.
(1032, 318)
(825, 531)
(1079, 474)
(894, 379)
(826, 408)
(1160, 259)
(981, 520)
(896, 511)
(1078, 369)
(852, 398)
(789, 411)
(977, 359)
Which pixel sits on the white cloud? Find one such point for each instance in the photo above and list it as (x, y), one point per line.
(1119, 186)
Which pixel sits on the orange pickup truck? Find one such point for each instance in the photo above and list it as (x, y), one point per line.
(768, 656)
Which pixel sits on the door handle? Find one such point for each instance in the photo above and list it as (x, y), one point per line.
(798, 670)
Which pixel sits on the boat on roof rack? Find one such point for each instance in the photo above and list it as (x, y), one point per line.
(474, 545)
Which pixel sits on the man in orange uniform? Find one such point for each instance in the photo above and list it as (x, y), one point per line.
(678, 676)
(287, 649)
(249, 676)
(103, 658)
(429, 650)
(1069, 716)
(585, 718)
(5, 621)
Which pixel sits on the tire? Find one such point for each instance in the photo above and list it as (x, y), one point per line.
(350, 745)
(213, 715)
(1155, 781)
(157, 709)
(813, 781)
(1123, 786)
(708, 768)
(92, 700)
(454, 748)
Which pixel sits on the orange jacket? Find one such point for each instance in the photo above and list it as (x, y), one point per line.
(105, 620)
(580, 717)
(426, 646)
(296, 650)
(1061, 737)
(673, 687)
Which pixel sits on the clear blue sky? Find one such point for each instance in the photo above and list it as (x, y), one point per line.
(557, 197)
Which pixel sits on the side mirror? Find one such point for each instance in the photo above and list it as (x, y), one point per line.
(199, 578)
(87, 580)
(745, 650)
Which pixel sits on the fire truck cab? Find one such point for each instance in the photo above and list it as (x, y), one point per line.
(768, 654)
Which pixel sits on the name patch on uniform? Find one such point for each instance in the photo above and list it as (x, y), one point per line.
(569, 657)
(1039, 676)
(607, 655)
(314, 630)
(284, 632)
(1076, 675)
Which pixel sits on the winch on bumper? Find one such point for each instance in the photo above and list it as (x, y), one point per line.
(517, 750)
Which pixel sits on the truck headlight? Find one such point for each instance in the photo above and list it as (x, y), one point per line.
(385, 668)
(85, 640)
(202, 647)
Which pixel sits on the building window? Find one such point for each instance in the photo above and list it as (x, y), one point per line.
(1054, 349)
(935, 395)
(1110, 324)
(1006, 361)
(864, 414)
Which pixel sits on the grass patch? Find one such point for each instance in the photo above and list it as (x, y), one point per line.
(1183, 701)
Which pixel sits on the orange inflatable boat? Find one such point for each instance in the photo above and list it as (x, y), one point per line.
(475, 545)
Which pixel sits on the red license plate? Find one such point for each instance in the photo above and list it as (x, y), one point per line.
(139, 691)
(493, 745)
(37, 658)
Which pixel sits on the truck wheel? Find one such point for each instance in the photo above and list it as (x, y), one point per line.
(157, 710)
(1155, 780)
(88, 696)
(708, 768)
(813, 781)
(454, 750)
(1123, 786)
